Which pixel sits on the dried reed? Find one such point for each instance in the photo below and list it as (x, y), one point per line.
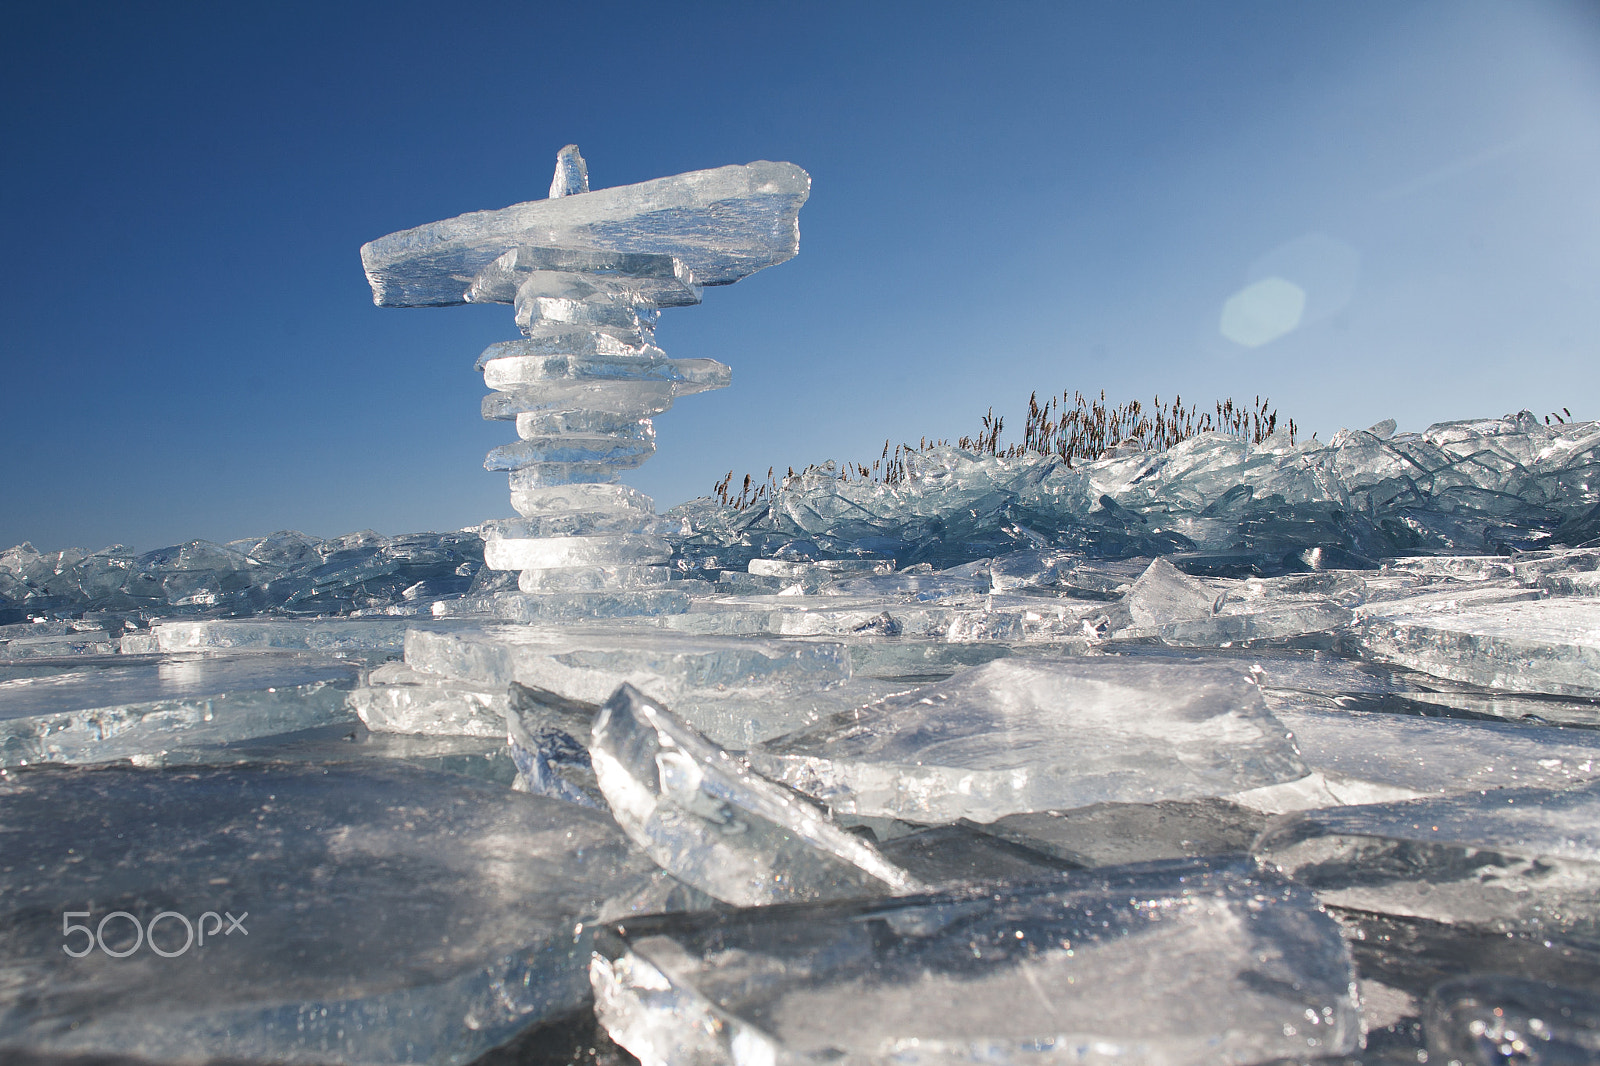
(1075, 429)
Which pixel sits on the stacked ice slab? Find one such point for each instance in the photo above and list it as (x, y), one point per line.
(588, 273)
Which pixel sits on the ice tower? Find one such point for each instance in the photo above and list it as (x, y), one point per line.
(587, 273)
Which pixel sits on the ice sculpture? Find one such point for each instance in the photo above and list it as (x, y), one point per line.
(587, 273)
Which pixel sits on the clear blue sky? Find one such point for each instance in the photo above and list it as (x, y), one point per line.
(1007, 197)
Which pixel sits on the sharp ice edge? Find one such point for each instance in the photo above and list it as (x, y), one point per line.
(715, 824)
(1250, 971)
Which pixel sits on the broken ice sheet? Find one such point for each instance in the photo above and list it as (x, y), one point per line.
(479, 758)
(36, 642)
(1018, 735)
(1550, 646)
(391, 915)
(713, 824)
(1400, 960)
(952, 854)
(1110, 834)
(1237, 623)
(1177, 609)
(1174, 964)
(1516, 859)
(1442, 755)
(142, 709)
(374, 637)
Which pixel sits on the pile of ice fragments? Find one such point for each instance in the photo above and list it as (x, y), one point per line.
(1108, 796)
(1236, 754)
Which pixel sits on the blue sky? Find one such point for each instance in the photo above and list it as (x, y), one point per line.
(1007, 197)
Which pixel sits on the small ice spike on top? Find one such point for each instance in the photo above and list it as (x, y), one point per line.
(572, 173)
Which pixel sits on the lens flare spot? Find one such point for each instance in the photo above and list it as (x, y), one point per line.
(1263, 311)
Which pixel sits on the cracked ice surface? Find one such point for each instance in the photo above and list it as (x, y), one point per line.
(798, 730)
(391, 915)
(1016, 736)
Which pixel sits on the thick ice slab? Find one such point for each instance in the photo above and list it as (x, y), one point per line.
(504, 553)
(557, 608)
(548, 735)
(136, 711)
(509, 365)
(593, 578)
(615, 453)
(389, 915)
(723, 224)
(398, 699)
(34, 642)
(361, 637)
(568, 510)
(1025, 735)
(1513, 859)
(1546, 646)
(797, 616)
(713, 824)
(589, 663)
(1180, 965)
(531, 272)
(1441, 754)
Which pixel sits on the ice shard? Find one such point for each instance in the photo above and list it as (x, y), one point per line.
(1016, 735)
(1165, 594)
(1178, 964)
(388, 915)
(1509, 860)
(587, 273)
(548, 734)
(714, 824)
